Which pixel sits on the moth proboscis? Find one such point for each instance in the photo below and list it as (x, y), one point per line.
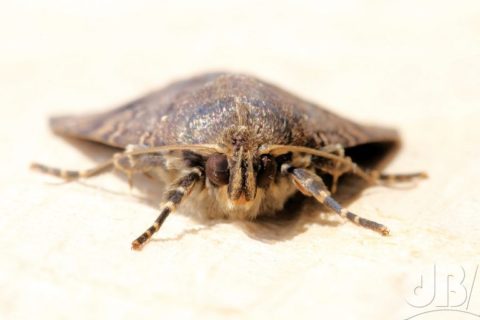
(241, 145)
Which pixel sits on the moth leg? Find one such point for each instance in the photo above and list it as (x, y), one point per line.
(73, 174)
(122, 161)
(371, 176)
(389, 179)
(311, 184)
(130, 164)
(334, 148)
(173, 197)
(376, 177)
(339, 167)
(347, 163)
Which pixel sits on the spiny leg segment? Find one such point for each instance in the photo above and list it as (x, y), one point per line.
(135, 159)
(339, 168)
(173, 197)
(372, 176)
(125, 162)
(312, 185)
(73, 174)
(402, 177)
(335, 153)
(136, 163)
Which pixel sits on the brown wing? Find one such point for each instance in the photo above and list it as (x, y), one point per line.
(133, 123)
(199, 110)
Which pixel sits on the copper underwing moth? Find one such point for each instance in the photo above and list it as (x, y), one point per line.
(235, 146)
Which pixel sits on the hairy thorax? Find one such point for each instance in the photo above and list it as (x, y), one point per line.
(211, 202)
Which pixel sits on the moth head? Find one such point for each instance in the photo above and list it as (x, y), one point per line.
(237, 177)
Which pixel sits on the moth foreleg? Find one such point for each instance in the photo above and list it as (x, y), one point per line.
(312, 185)
(173, 197)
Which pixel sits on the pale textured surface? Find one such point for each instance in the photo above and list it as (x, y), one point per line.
(65, 247)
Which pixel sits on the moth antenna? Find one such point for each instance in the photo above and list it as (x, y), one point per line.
(276, 149)
(207, 148)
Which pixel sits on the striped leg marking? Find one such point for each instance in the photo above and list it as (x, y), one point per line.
(174, 196)
(124, 162)
(406, 177)
(371, 176)
(376, 177)
(70, 174)
(309, 183)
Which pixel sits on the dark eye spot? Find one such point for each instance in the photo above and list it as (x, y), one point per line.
(217, 169)
(266, 172)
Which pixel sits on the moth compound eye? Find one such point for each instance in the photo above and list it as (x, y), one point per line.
(266, 172)
(217, 169)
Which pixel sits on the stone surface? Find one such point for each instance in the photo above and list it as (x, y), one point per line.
(65, 248)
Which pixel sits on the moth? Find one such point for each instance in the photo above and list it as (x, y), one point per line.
(233, 146)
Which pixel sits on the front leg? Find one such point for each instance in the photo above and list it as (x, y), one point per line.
(311, 184)
(173, 197)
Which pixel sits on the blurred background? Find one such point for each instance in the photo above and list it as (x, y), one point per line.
(413, 65)
(370, 54)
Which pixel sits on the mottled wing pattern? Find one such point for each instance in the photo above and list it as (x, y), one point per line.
(315, 126)
(199, 110)
(133, 123)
